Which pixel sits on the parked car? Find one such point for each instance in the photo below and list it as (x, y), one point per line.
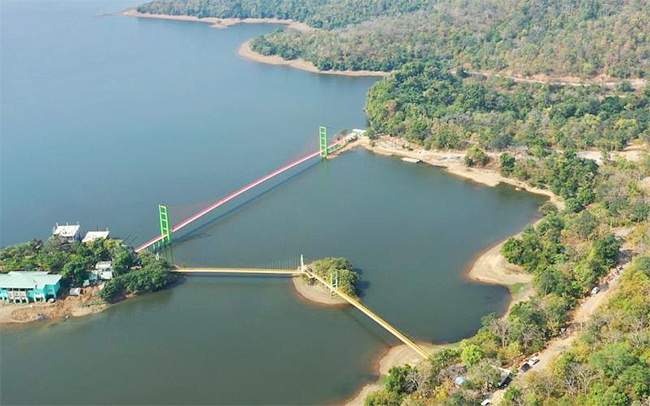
(505, 382)
(486, 402)
(533, 360)
(525, 367)
(595, 290)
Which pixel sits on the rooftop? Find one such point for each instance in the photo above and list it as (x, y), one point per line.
(95, 235)
(27, 280)
(67, 230)
(103, 265)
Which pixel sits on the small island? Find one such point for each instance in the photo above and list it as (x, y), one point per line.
(341, 274)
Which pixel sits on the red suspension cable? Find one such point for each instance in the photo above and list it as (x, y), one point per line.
(239, 192)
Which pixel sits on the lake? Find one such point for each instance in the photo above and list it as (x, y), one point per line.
(105, 117)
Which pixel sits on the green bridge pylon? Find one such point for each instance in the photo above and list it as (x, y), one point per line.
(322, 142)
(165, 228)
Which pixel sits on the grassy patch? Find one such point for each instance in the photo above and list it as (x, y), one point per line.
(517, 288)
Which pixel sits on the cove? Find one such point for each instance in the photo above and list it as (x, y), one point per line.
(106, 117)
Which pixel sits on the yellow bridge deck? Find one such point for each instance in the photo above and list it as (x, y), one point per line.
(234, 271)
(295, 272)
(354, 302)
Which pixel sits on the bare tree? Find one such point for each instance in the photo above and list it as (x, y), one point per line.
(501, 328)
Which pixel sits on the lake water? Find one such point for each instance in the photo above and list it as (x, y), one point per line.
(105, 117)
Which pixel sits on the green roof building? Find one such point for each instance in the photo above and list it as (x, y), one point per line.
(29, 286)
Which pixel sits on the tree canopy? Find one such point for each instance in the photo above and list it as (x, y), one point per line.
(579, 38)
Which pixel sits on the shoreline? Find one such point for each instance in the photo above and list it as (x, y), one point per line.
(488, 267)
(316, 294)
(395, 355)
(218, 23)
(451, 161)
(245, 51)
(491, 268)
(15, 314)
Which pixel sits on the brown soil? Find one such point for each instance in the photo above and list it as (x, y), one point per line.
(71, 306)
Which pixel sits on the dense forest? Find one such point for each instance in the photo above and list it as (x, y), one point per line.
(338, 271)
(324, 14)
(428, 104)
(609, 364)
(583, 38)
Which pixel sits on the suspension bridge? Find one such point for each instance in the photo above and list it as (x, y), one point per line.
(238, 271)
(306, 270)
(165, 236)
(324, 149)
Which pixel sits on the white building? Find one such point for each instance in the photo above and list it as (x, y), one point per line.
(95, 235)
(104, 270)
(69, 232)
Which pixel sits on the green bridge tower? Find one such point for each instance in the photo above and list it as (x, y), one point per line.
(322, 141)
(165, 228)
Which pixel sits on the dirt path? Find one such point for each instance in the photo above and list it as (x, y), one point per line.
(560, 345)
(564, 80)
(632, 153)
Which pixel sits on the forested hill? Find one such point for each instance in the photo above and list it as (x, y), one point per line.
(583, 38)
(326, 14)
(429, 105)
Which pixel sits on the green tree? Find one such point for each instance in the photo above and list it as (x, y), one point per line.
(113, 290)
(471, 355)
(383, 398)
(476, 157)
(75, 271)
(507, 164)
(396, 381)
(123, 260)
(484, 375)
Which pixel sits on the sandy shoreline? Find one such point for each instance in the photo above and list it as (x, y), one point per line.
(394, 356)
(451, 161)
(489, 267)
(245, 50)
(316, 293)
(492, 268)
(219, 23)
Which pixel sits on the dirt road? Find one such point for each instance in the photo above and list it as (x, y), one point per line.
(559, 345)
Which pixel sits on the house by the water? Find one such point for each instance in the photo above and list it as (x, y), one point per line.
(18, 286)
(103, 271)
(95, 235)
(68, 232)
